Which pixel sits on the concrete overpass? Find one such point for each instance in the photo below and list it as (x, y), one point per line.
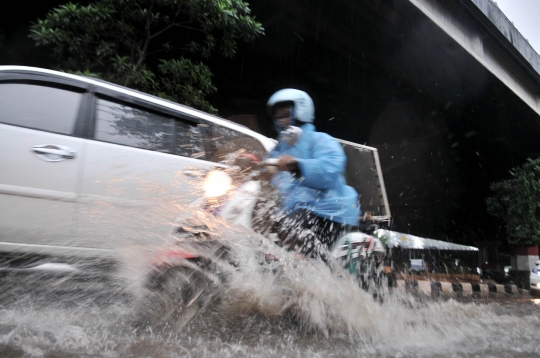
(493, 41)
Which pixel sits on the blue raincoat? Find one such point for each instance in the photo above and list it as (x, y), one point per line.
(321, 188)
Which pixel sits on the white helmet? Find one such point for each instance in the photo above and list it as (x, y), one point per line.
(303, 108)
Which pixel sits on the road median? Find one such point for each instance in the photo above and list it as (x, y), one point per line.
(434, 288)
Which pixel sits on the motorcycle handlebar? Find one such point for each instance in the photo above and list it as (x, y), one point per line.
(270, 162)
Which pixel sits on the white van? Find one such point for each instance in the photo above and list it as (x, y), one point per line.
(87, 166)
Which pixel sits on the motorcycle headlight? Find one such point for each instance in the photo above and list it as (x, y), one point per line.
(216, 184)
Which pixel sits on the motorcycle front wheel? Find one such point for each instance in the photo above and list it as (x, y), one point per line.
(175, 297)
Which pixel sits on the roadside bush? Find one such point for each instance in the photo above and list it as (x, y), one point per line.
(518, 278)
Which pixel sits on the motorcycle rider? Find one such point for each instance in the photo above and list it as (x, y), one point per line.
(317, 206)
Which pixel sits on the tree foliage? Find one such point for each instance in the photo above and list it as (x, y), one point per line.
(516, 202)
(155, 46)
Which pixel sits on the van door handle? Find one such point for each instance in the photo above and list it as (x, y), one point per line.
(53, 152)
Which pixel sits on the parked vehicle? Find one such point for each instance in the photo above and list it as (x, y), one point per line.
(535, 279)
(90, 167)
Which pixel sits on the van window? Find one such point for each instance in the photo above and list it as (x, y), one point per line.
(224, 141)
(45, 108)
(127, 125)
(123, 124)
(190, 140)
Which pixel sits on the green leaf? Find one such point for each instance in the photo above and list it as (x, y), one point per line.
(116, 39)
(515, 202)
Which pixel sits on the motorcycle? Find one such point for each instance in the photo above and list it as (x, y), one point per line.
(191, 271)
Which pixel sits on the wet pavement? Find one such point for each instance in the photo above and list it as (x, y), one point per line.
(306, 313)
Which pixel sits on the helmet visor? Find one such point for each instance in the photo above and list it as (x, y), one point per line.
(283, 115)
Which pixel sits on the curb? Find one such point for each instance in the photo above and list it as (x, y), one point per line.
(437, 288)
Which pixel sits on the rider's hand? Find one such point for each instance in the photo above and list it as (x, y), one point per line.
(287, 163)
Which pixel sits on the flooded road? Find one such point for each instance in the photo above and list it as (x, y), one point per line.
(302, 309)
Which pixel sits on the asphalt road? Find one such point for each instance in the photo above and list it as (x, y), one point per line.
(63, 318)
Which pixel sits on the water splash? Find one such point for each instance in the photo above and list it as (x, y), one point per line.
(265, 308)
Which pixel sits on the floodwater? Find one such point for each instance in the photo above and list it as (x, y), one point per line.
(253, 308)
